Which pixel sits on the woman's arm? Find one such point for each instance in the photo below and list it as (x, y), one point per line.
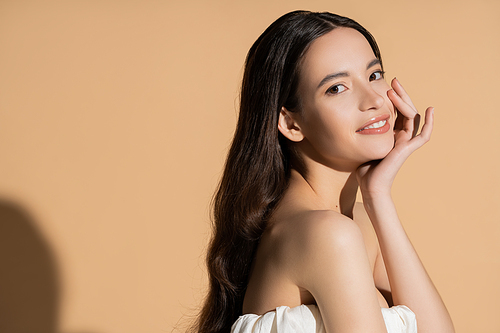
(410, 283)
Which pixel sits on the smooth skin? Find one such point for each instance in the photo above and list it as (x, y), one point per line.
(320, 247)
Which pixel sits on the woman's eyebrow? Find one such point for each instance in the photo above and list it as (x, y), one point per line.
(331, 77)
(344, 74)
(372, 63)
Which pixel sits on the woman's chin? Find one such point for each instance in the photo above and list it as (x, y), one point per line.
(376, 147)
(381, 151)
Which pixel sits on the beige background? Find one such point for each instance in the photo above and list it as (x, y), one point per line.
(115, 117)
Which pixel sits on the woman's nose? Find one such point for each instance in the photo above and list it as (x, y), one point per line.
(370, 99)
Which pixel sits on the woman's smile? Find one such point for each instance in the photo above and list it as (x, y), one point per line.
(376, 125)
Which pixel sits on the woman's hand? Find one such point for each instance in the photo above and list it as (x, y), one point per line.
(376, 177)
(410, 283)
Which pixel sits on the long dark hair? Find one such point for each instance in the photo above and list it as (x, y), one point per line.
(258, 165)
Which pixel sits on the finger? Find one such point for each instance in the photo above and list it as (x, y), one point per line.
(416, 124)
(425, 134)
(429, 124)
(406, 109)
(398, 88)
(406, 112)
(399, 123)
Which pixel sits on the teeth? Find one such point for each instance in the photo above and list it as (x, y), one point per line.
(376, 125)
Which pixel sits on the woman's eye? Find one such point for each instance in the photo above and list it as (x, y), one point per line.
(377, 76)
(336, 89)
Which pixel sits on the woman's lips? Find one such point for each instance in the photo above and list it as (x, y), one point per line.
(376, 125)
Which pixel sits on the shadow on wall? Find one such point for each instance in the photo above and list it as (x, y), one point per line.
(29, 288)
(29, 282)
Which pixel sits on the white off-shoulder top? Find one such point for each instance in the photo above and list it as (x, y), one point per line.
(307, 319)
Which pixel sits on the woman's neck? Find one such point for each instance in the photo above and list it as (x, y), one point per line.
(325, 188)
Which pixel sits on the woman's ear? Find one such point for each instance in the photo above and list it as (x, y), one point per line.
(289, 127)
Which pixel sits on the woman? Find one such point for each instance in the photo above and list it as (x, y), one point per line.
(291, 249)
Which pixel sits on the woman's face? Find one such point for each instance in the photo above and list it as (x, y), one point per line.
(345, 115)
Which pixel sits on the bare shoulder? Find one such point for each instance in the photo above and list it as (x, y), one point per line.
(331, 262)
(327, 225)
(307, 228)
(317, 239)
